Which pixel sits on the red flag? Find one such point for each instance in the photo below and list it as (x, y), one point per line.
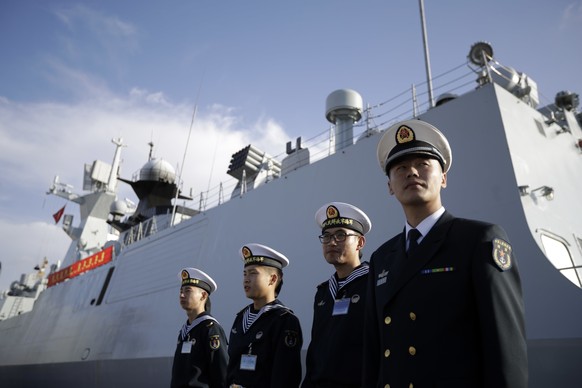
(57, 216)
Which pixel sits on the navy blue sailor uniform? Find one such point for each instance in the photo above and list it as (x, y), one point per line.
(201, 356)
(335, 350)
(265, 348)
(450, 315)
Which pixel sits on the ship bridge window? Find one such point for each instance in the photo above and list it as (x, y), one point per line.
(559, 255)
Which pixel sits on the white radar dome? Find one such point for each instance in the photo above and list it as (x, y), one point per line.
(157, 170)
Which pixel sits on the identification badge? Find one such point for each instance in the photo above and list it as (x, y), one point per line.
(341, 307)
(248, 362)
(186, 347)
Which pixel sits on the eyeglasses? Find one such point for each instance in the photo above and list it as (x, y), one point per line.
(338, 237)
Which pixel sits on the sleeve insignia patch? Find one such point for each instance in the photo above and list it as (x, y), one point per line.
(290, 338)
(502, 254)
(214, 342)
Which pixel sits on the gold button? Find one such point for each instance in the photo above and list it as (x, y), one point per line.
(412, 350)
(387, 320)
(387, 353)
(412, 316)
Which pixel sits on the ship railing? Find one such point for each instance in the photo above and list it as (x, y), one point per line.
(143, 229)
(406, 104)
(375, 118)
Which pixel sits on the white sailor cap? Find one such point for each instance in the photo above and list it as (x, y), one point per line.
(342, 215)
(196, 278)
(413, 137)
(257, 254)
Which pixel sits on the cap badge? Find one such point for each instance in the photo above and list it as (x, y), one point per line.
(332, 212)
(404, 135)
(502, 254)
(333, 219)
(246, 252)
(185, 275)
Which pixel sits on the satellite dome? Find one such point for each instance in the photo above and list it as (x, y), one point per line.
(157, 170)
(119, 208)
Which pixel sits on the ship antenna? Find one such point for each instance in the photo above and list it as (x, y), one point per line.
(184, 157)
(426, 54)
(151, 144)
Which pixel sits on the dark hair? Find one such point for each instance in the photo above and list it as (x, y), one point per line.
(280, 282)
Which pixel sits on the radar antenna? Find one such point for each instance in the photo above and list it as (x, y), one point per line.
(481, 54)
(151, 144)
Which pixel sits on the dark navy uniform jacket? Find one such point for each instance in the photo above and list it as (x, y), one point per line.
(205, 365)
(448, 316)
(275, 340)
(335, 350)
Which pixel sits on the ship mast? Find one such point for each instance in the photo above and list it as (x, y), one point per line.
(426, 54)
(112, 181)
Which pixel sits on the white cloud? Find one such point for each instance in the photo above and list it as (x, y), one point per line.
(41, 140)
(572, 16)
(26, 245)
(76, 83)
(79, 17)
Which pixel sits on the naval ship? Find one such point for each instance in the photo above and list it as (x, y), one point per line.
(107, 314)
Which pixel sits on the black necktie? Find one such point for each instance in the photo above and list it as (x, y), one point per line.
(413, 236)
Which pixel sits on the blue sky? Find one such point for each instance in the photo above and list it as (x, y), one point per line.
(75, 74)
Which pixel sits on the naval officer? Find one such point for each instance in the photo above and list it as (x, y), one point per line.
(201, 355)
(445, 304)
(265, 340)
(335, 350)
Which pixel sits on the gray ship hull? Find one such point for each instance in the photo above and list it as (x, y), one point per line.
(94, 333)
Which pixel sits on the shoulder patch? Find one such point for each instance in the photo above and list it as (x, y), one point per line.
(502, 254)
(214, 342)
(291, 337)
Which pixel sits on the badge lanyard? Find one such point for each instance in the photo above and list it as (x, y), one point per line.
(248, 361)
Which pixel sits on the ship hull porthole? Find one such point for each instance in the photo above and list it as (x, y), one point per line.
(85, 354)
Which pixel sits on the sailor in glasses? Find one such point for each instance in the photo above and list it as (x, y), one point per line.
(335, 351)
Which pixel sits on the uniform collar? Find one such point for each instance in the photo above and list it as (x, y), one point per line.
(426, 225)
